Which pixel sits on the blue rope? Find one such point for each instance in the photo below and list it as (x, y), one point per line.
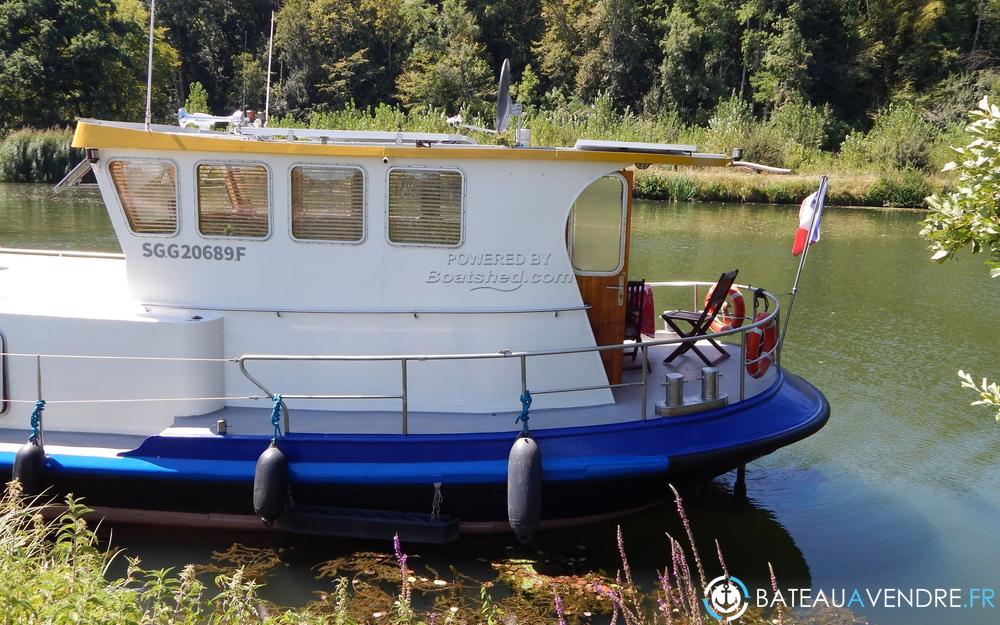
(523, 417)
(36, 421)
(276, 416)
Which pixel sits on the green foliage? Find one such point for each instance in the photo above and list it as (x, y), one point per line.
(845, 190)
(783, 66)
(906, 188)
(898, 139)
(447, 69)
(54, 572)
(60, 59)
(197, 99)
(989, 392)
(969, 217)
(37, 155)
(733, 125)
(246, 89)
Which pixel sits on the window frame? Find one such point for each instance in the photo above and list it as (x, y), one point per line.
(462, 205)
(364, 203)
(197, 200)
(624, 228)
(177, 196)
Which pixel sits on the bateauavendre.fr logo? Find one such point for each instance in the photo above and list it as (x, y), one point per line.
(727, 598)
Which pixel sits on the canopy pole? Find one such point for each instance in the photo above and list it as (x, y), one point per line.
(820, 201)
(149, 67)
(267, 91)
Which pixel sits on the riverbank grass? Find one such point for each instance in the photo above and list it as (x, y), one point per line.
(901, 189)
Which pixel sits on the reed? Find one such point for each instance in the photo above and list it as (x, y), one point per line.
(903, 189)
(31, 155)
(56, 572)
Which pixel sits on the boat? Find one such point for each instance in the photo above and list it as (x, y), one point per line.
(369, 333)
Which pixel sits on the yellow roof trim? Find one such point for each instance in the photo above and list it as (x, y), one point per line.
(91, 135)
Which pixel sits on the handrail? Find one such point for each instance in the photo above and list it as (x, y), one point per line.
(524, 355)
(24, 251)
(404, 359)
(377, 311)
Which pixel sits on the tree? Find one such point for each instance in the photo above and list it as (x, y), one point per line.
(197, 99)
(61, 59)
(336, 53)
(246, 89)
(784, 65)
(683, 88)
(970, 215)
(447, 69)
(209, 36)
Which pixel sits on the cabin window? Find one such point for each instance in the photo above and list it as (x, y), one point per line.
(425, 206)
(596, 232)
(233, 200)
(147, 190)
(328, 203)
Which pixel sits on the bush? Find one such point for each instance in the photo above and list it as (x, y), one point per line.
(899, 139)
(906, 189)
(732, 125)
(679, 188)
(30, 155)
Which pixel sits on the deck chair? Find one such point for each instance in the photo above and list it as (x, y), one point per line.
(635, 298)
(700, 322)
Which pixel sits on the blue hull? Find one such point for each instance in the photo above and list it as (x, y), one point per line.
(215, 473)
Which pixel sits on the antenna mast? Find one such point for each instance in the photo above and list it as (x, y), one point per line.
(267, 91)
(149, 68)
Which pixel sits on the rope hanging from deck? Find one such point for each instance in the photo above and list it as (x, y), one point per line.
(276, 416)
(36, 421)
(523, 417)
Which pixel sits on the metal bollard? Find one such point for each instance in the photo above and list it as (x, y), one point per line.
(675, 389)
(709, 383)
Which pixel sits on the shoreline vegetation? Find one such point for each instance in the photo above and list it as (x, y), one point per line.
(901, 190)
(874, 93)
(58, 572)
(884, 167)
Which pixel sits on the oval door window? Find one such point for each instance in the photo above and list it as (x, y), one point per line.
(596, 229)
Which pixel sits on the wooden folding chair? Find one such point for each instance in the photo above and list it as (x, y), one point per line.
(700, 322)
(635, 297)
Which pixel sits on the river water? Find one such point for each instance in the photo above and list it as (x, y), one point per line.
(899, 490)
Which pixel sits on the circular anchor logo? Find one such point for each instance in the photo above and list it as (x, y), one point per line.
(726, 598)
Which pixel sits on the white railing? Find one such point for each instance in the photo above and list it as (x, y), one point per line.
(405, 359)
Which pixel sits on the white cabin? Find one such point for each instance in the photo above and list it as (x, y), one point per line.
(277, 243)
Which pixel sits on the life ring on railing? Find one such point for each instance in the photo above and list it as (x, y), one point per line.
(760, 340)
(731, 315)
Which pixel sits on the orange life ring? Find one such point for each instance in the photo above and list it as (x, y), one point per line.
(727, 320)
(760, 341)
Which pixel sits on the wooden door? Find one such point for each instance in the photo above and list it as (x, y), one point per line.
(604, 291)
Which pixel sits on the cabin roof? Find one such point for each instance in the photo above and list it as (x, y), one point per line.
(92, 133)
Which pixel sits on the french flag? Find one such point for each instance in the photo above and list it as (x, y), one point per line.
(810, 213)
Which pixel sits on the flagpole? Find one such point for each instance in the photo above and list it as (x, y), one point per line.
(821, 199)
(267, 94)
(149, 68)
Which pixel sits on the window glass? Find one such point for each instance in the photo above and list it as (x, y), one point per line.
(425, 207)
(596, 227)
(233, 200)
(328, 203)
(148, 193)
